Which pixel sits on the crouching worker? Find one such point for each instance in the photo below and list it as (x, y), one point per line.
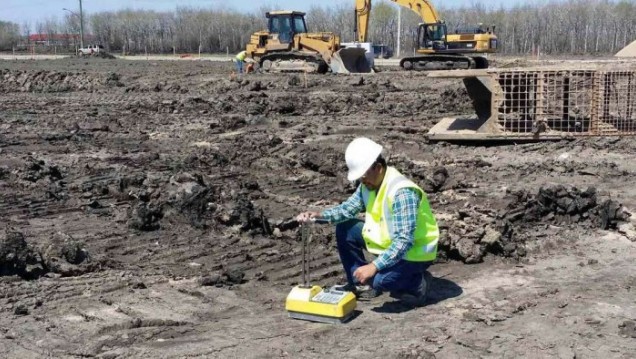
(399, 228)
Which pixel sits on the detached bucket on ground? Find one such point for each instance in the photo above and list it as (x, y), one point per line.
(350, 60)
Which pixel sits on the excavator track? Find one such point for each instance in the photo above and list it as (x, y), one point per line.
(443, 62)
(280, 62)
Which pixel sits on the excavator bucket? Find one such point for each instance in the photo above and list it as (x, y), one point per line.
(350, 60)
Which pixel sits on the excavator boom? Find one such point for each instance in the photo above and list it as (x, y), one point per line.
(363, 12)
(423, 8)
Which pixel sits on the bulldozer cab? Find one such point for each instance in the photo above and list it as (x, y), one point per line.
(432, 36)
(286, 24)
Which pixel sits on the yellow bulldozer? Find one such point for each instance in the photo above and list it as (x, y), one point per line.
(287, 46)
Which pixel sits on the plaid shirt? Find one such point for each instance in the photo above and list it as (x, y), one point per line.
(405, 206)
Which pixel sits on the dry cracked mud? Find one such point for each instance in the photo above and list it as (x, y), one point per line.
(147, 211)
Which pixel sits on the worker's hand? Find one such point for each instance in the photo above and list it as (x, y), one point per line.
(307, 216)
(365, 273)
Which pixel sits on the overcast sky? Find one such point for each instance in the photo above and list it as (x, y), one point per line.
(19, 11)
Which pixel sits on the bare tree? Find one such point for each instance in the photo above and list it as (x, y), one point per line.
(552, 27)
(9, 35)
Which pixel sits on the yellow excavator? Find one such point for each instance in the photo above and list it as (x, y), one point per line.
(287, 46)
(437, 49)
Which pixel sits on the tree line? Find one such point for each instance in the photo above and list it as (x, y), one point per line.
(551, 27)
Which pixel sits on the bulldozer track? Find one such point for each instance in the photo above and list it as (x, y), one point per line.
(314, 62)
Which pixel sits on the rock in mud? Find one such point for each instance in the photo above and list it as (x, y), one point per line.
(249, 218)
(256, 86)
(210, 280)
(415, 353)
(628, 230)
(437, 181)
(357, 82)
(195, 202)
(4, 171)
(321, 162)
(74, 252)
(491, 237)
(234, 276)
(628, 329)
(21, 309)
(66, 256)
(226, 278)
(38, 169)
(112, 80)
(469, 251)
(611, 213)
(145, 217)
(293, 80)
(19, 258)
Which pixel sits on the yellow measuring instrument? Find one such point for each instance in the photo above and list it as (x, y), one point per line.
(312, 302)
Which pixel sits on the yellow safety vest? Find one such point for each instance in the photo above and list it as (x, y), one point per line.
(241, 55)
(379, 219)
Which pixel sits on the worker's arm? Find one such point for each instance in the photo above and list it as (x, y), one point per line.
(346, 210)
(405, 208)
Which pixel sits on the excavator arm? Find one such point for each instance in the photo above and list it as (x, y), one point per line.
(423, 8)
(363, 12)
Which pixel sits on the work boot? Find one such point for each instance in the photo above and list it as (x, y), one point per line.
(417, 298)
(360, 291)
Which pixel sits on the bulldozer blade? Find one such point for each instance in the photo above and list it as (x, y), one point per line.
(350, 60)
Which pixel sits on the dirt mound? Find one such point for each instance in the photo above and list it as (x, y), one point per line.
(188, 198)
(563, 206)
(37, 169)
(474, 232)
(627, 51)
(104, 55)
(62, 255)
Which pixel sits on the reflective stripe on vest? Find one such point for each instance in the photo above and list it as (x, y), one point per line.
(241, 55)
(378, 223)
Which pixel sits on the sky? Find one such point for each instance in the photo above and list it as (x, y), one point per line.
(21, 11)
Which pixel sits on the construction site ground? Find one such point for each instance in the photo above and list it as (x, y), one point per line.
(147, 211)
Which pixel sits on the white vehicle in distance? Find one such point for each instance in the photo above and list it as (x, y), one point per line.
(90, 50)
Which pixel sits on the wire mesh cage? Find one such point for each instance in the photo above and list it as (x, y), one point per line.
(575, 102)
(544, 104)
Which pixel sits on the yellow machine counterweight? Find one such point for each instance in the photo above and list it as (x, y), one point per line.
(312, 302)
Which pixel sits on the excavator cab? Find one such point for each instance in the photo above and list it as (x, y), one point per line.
(286, 25)
(432, 36)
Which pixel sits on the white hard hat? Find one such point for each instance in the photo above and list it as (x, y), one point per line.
(360, 155)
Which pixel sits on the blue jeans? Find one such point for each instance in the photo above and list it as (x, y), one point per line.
(404, 276)
(239, 66)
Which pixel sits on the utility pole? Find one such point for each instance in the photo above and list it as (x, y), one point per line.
(399, 36)
(81, 25)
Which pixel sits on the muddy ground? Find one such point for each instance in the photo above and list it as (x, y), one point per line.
(147, 211)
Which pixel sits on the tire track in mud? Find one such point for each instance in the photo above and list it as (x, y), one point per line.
(25, 206)
(53, 291)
